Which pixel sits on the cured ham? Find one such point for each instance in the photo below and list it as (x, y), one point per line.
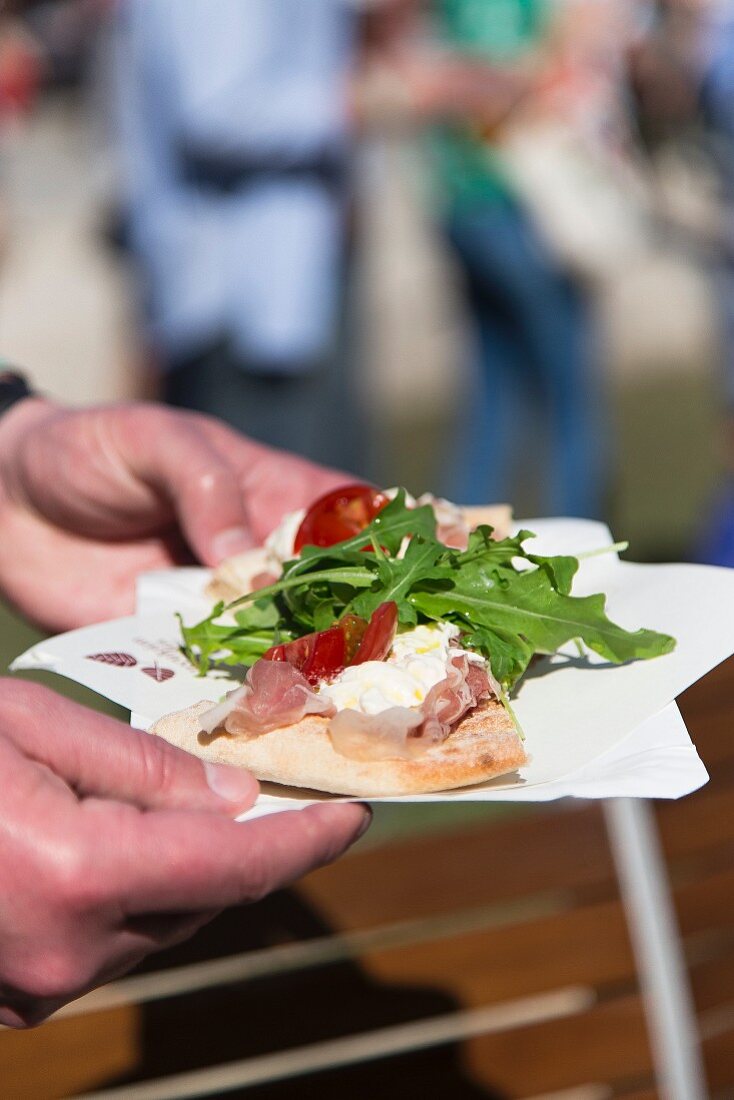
(274, 694)
(481, 680)
(380, 736)
(452, 527)
(409, 731)
(263, 580)
(450, 699)
(282, 688)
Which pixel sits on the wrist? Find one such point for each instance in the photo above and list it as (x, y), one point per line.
(23, 415)
(16, 392)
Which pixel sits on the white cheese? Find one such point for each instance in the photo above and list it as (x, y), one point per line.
(417, 662)
(281, 539)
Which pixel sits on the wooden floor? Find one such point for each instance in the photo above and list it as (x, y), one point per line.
(493, 961)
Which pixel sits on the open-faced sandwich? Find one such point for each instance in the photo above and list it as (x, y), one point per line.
(382, 637)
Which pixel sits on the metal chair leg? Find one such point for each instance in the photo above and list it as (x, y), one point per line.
(656, 942)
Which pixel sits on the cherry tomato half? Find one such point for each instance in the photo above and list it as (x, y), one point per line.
(339, 515)
(353, 628)
(318, 656)
(352, 640)
(378, 637)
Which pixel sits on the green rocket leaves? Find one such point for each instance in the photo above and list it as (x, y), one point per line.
(508, 604)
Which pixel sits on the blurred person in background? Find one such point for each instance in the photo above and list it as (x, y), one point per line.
(20, 69)
(683, 76)
(716, 61)
(20, 76)
(233, 120)
(530, 317)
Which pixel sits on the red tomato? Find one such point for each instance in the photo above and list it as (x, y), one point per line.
(379, 635)
(318, 656)
(338, 515)
(351, 641)
(353, 628)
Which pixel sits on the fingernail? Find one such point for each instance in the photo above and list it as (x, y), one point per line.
(367, 820)
(230, 542)
(234, 784)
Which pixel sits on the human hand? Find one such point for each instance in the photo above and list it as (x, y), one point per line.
(114, 844)
(90, 498)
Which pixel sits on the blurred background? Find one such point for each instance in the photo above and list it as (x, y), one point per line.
(478, 247)
(483, 247)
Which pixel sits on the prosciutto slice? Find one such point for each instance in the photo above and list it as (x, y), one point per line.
(263, 580)
(452, 528)
(274, 694)
(409, 731)
(382, 736)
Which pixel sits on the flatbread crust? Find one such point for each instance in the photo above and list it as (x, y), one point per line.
(483, 745)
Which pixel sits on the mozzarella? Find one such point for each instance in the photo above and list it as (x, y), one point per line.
(281, 539)
(417, 662)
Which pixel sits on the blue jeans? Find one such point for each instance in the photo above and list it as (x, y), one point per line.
(532, 362)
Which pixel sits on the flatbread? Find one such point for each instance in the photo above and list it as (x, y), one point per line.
(234, 576)
(483, 745)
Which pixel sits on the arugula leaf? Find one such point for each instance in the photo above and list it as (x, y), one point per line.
(560, 570)
(396, 577)
(357, 576)
(485, 555)
(388, 529)
(500, 551)
(509, 654)
(528, 607)
(261, 614)
(509, 604)
(208, 643)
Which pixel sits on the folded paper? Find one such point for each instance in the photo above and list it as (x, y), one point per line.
(592, 729)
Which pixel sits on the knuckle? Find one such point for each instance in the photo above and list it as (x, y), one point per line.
(138, 416)
(211, 479)
(128, 424)
(257, 879)
(71, 878)
(160, 767)
(44, 974)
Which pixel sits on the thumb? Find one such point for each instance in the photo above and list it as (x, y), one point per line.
(98, 756)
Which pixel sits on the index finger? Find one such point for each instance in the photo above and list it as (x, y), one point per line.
(176, 861)
(98, 756)
(273, 482)
(169, 452)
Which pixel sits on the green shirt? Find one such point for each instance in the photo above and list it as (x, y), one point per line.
(499, 31)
